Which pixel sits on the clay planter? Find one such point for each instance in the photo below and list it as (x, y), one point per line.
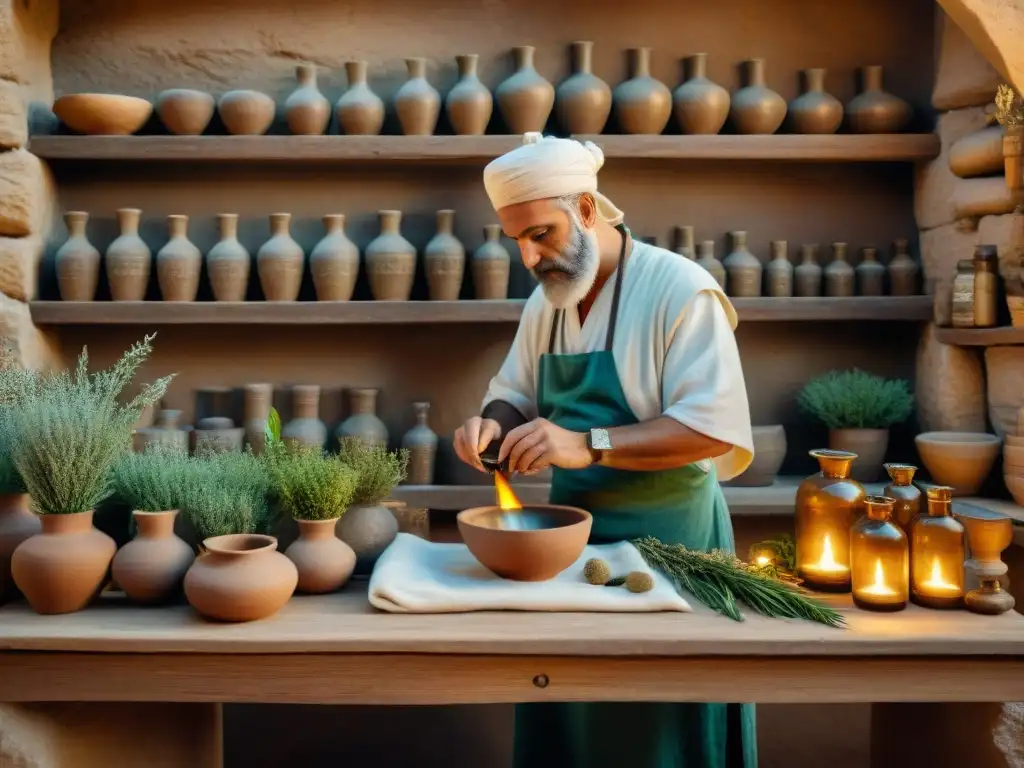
(769, 453)
(444, 260)
(324, 561)
(583, 101)
(756, 108)
(128, 259)
(246, 113)
(228, 263)
(151, 567)
(961, 460)
(102, 114)
(77, 261)
(532, 544)
(334, 262)
(491, 264)
(17, 523)
(240, 577)
(369, 529)
(642, 104)
(1013, 148)
(700, 105)
(280, 262)
(815, 111)
(525, 99)
(469, 103)
(360, 111)
(390, 260)
(178, 263)
(417, 102)
(307, 111)
(185, 112)
(874, 110)
(65, 566)
(870, 446)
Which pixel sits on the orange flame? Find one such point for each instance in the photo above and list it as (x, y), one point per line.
(506, 496)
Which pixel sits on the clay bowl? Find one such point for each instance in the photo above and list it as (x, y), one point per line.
(1013, 455)
(535, 543)
(1015, 485)
(185, 112)
(769, 453)
(102, 114)
(961, 460)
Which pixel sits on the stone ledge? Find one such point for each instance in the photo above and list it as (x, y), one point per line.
(13, 116)
(25, 194)
(19, 266)
(33, 347)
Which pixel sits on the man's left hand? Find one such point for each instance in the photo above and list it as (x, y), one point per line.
(540, 444)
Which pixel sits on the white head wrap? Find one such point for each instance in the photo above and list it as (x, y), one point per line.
(545, 167)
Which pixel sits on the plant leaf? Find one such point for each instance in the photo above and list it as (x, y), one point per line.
(272, 429)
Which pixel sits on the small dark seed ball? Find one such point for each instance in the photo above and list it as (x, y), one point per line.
(596, 571)
(638, 581)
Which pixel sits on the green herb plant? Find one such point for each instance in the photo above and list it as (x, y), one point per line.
(856, 399)
(16, 385)
(227, 493)
(309, 484)
(151, 481)
(377, 469)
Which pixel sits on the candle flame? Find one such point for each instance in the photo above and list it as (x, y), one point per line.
(936, 579)
(506, 496)
(879, 588)
(879, 574)
(828, 562)
(763, 560)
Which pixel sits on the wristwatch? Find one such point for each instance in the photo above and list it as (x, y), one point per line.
(598, 441)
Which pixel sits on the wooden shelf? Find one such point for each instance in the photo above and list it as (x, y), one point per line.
(981, 337)
(474, 149)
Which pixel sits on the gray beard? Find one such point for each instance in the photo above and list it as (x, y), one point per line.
(568, 279)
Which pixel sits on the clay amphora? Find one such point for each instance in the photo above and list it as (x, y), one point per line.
(469, 103)
(369, 529)
(444, 260)
(874, 110)
(807, 274)
(164, 432)
(706, 258)
(280, 261)
(228, 262)
(684, 242)
(756, 108)
(908, 496)
(17, 523)
(240, 577)
(360, 111)
(700, 105)
(779, 270)
(417, 102)
(307, 111)
(334, 262)
(870, 274)
(217, 434)
(257, 399)
(305, 427)
(64, 567)
(422, 444)
(743, 268)
(151, 567)
(128, 259)
(525, 99)
(643, 104)
(246, 113)
(77, 261)
(184, 111)
(390, 260)
(839, 275)
(362, 422)
(324, 562)
(491, 264)
(583, 100)
(902, 271)
(815, 111)
(178, 263)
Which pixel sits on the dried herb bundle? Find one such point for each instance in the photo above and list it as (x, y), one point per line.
(1009, 106)
(856, 399)
(309, 484)
(378, 470)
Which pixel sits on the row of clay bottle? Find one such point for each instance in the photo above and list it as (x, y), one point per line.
(390, 261)
(582, 102)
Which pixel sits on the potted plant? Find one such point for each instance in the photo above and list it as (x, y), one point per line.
(858, 408)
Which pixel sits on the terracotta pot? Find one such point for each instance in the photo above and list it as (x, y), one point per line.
(178, 263)
(840, 277)
(815, 111)
(978, 154)
(363, 422)
(807, 274)
(907, 495)
(1015, 485)
(360, 111)
(491, 265)
(185, 112)
(1004, 369)
(246, 113)
(151, 567)
(305, 426)
(334, 262)
(874, 110)
(642, 104)
(422, 445)
(444, 260)
(417, 102)
(684, 242)
(64, 567)
(469, 103)
(307, 111)
(77, 261)
(961, 460)
(228, 263)
(525, 99)
(280, 262)
(779, 272)
(240, 577)
(870, 446)
(165, 432)
(903, 270)
(700, 105)
(870, 274)
(369, 529)
(102, 114)
(17, 523)
(769, 453)
(583, 101)
(128, 259)
(256, 403)
(743, 268)
(756, 108)
(390, 260)
(706, 259)
(324, 561)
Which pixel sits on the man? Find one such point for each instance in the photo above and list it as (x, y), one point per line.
(624, 377)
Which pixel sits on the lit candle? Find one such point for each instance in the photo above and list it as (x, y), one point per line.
(936, 583)
(879, 588)
(827, 563)
(878, 553)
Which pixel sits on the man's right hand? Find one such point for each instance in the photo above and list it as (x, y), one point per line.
(472, 437)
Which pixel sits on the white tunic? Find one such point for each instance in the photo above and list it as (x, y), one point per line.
(674, 349)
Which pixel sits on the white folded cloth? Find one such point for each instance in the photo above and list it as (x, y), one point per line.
(418, 576)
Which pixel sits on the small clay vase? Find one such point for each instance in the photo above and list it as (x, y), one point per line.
(305, 427)
(360, 111)
(903, 270)
(469, 103)
(307, 111)
(369, 529)
(228, 263)
(642, 104)
(17, 523)
(240, 577)
(324, 562)
(390, 260)
(779, 271)
(246, 113)
(178, 263)
(184, 111)
(870, 274)
(77, 261)
(151, 567)
(61, 569)
(684, 242)
(491, 265)
(815, 111)
(417, 102)
(362, 422)
(756, 108)
(128, 259)
(706, 258)
(700, 105)
(444, 260)
(256, 404)
(839, 275)
(743, 268)
(422, 445)
(873, 110)
(525, 99)
(334, 262)
(164, 432)
(583, 101)
(280, 261)
(217, 434)
(807, 274)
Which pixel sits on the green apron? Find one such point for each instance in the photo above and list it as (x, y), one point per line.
(684, 505)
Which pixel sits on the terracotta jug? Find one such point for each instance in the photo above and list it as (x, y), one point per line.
(839, 275)
(469, 103)
(362, 422)
(525, 99)
(779, 271)
(246, 113)
(815, 111)
(700, 105)
(228, 262)
(77, 261)
(807, 274)
(334, 262)
(643, 104)
(903, 271)
(17, 523)
(151, 567)
(743, 268)
(756, 108)
(870, 446)
(369, 529)
(706, 258)
(305, 427)
(257, 400)
(360, 111)
(307, 111)
(422, 444)
(64, 567)
(164, 432)
(184, 111)
(324, 562)
(390, 260)
(583, 101)
(684, 242)
(128, 259)
(280, 262)
(491, 265)
(417, 102)
(870, 274)
(444, 260)
(240, 577)
(178, 263)
(875, 111)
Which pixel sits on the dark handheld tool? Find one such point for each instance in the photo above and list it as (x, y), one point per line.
(489, 458)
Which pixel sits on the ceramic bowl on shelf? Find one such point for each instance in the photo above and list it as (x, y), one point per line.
(1015, 485)
(961, 460)
(102, 114)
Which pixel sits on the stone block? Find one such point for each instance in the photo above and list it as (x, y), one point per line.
(974, 198)
(33, 347)
(996, 28)
(24, 194)
(27, 739)
(1004, 371)
(978, 154)
(26, 31)
(19, 266)
(13, 116)
(963, 78)
(1007, 234)
(935, 182)
(950, 386)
